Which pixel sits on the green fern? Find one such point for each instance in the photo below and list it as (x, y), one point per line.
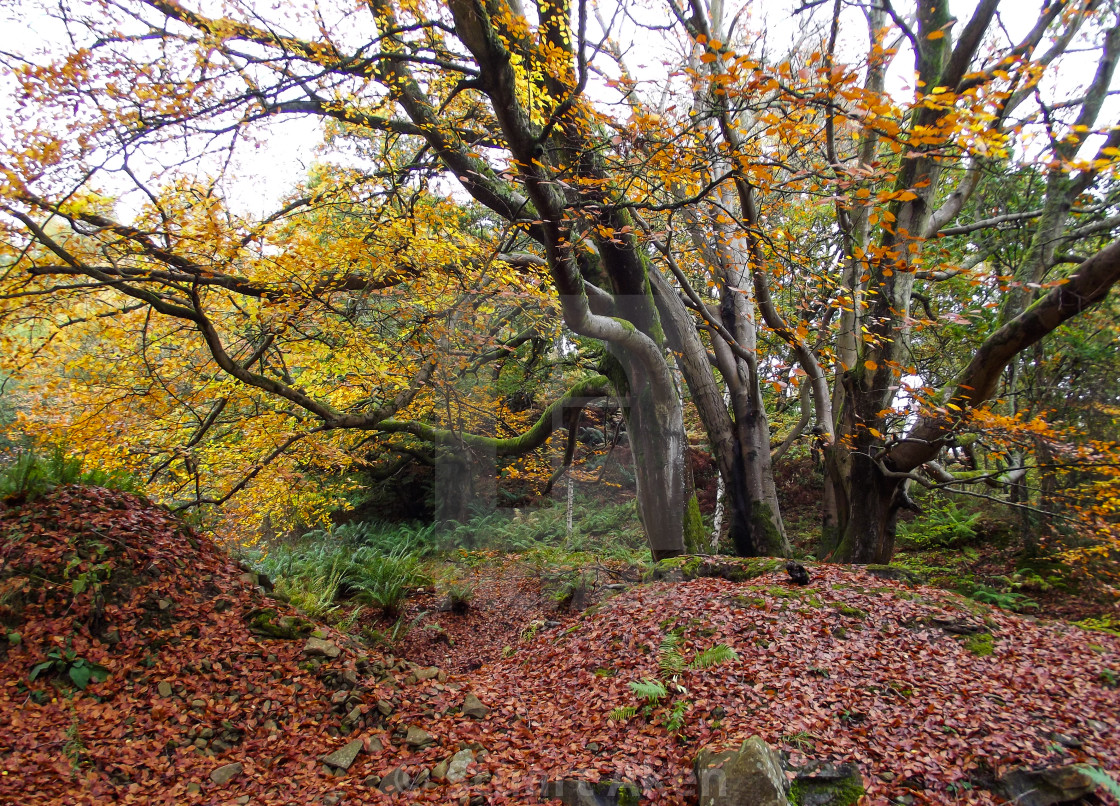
(623, 714)
(675, 720)
(713, 656)
(648, 689)
(669, 659)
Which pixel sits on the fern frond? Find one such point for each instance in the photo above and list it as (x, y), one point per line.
(669, 658)
(623, 714)
(720, 653)
(648, 689)
(675, 721)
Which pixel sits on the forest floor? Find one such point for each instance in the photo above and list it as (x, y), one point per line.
(141, 664)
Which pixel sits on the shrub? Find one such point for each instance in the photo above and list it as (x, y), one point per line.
(943, 525)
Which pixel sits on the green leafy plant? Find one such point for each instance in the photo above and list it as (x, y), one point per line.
(1005, 600)
(386, 581)
(74, 748)
(67, 663)
(944, 524)
(1105, 623)
(33, 474)
(457, 595)
(671, 665)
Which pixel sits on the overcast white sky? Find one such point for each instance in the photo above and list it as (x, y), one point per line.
(261, 176)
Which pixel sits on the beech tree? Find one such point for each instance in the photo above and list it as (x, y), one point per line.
(751, 221)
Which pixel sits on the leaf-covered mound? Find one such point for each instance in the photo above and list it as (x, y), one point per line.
(934, 696)
(930, 694)
(200, 670)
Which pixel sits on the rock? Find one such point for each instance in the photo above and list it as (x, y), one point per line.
(344, 756)
(372, 781)
(226, 773)
(1047, 786)
(1071, 742)
(243, 800)
(752, 774)
(164, 689)
(418, 737)
(574, 792)
(431, 673)
(396, 780)
(317, 647)
(339, 697)
(439, 771)
(384, 707)
(473, 707)
(421, 778)
(821, 784)
(194, 788)
(457, 767)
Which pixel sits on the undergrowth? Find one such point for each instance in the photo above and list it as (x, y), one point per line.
(380, 564)
(31, 473)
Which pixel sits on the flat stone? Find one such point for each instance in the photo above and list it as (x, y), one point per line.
(164, 689)
(194, 788)
(418, 737)
(473, 707)
(226, 773)
(1047, 787)
(752, 774)
(384, 707)
(396, 780)
(431, 673)
(575, 792)
(824, 784)
(457, 767)
(318, 647)
(344, 756)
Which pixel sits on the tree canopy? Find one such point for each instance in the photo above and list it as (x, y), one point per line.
(879, 234)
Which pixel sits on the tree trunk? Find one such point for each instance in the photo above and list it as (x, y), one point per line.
(655, 428)
(872, 514)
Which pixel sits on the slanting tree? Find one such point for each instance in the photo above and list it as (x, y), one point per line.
(491, 100)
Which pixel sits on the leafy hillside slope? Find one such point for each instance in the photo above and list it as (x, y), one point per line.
(215, 693)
